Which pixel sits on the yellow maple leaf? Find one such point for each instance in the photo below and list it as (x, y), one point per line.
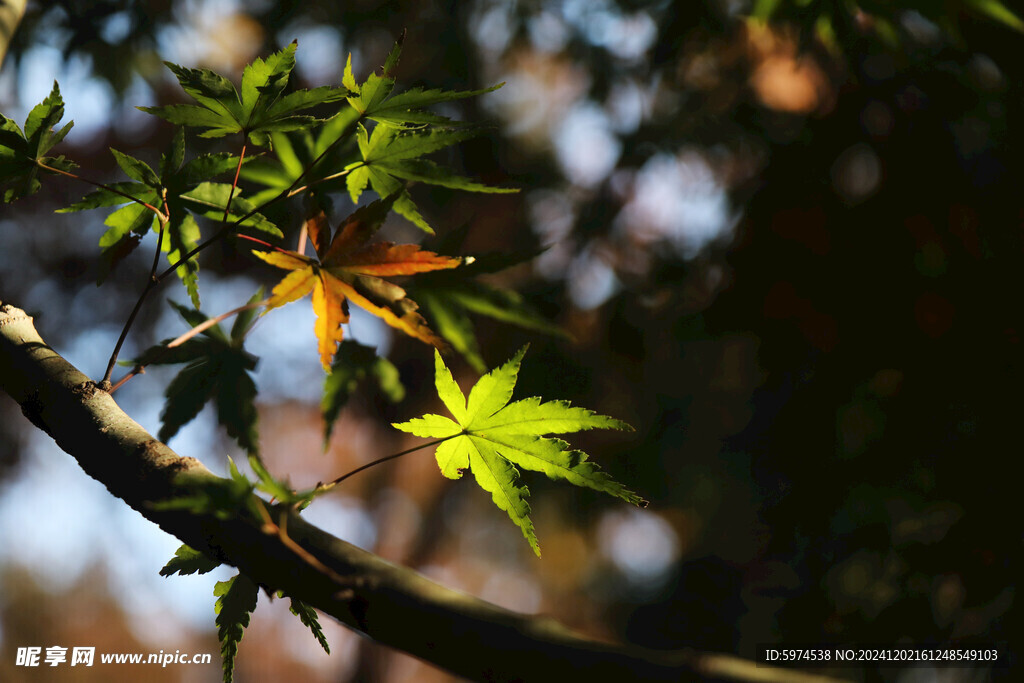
(348, 268)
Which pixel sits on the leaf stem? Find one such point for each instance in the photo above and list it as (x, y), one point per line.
(286, 193)
(103, 186)
(225, 230)
(320, 488)
(263, 243)
(234, 186)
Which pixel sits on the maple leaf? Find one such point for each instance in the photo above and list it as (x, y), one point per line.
(449, 298)
(188, 560)
(218, 369)
(347, 268)
(307, 615)
(236, 599)
(353, 364)
(180, 190)
(258, 110)
(373, 98)
(490, 437)
(391, 157)
(22, 154)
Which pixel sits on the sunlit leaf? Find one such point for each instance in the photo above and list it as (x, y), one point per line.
(107, 197)
(210, 199)
(350, 268)
(491, 436)
(135, 169)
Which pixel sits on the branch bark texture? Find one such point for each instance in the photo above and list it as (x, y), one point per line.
(391, 604)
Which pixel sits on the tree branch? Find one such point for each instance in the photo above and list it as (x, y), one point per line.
(11, 12)
(393, 605)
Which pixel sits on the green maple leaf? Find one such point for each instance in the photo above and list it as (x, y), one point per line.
(448, 303)
(258, 110)
(188, 560)
(373, 98)
(315, 157)
(353, 364)
(490, 437)
(236, 599)
(307, 615)
(218, 369)
(391, 158)
(390, 155)
(22, 154)
(448, 299)
(179, 190)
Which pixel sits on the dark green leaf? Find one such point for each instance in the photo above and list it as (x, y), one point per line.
(195, 317)
(352, 364)
(279, 490)
(449, 298)
(236, 401)
(307, 615)
(161, 354)
(245, 320)
(390, 157)
(187, 560)
(407, 108)
(994, 9)
(181, 235)
(204, 167)
(236, 599)
(218, 369)
(217, 125)
(186, 395)
(116, 247)
(171, 160)
(22, 154)
(452, 323)
(127, 227)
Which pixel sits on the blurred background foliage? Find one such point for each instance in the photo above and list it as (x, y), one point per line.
(785, 237)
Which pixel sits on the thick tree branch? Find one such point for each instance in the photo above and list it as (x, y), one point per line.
(11, 12)
(391, 604)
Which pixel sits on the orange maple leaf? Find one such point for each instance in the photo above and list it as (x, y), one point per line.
(347, 268)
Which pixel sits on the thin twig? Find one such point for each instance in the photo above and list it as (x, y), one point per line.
(210, 322)
(300, 245)
(198, 329)
(286, 193)
(151, 282)
(155, 280)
